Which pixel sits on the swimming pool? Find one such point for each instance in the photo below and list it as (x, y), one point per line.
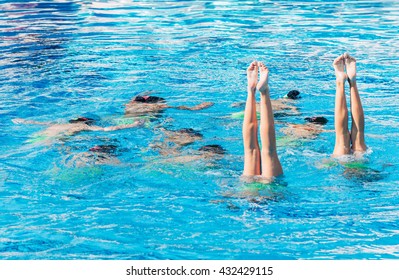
(63, 59)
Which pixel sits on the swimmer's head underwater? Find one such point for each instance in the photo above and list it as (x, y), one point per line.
(293, 94)
(148, 99)
(317, 120)
(85, 120)
(107, 149)
(190, 132)
(215, 149)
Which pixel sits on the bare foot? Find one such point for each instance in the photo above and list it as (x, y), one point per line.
(350, 64)
(252, 75)
(263, 85)
(339, 66)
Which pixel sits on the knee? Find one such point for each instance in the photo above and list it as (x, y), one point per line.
(271, 152)
(253, 151)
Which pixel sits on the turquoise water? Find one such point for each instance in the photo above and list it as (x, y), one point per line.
(63, 59)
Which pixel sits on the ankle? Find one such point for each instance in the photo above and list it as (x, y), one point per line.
(340, 82)
(264, 90)
(251, 90)
(352, 82)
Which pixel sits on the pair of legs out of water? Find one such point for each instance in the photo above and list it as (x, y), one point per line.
(347, 142)
(265, 161)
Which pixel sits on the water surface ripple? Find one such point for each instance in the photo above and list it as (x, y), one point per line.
(63, 59)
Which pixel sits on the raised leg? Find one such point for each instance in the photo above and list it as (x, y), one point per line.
(357, 129)
(250, 126)
(270, 163)
(342, 136)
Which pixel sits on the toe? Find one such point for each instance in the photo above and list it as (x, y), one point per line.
(338, 59)
(262, 65)
(252, 65)
(349, 59)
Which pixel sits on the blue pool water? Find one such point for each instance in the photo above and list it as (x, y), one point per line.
(62, 59)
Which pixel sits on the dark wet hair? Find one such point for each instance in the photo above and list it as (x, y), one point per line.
(317, 120)
(148, 99)
(88, 121)
(108, 149)
(293, 94)
(216, 149)
(190, 131)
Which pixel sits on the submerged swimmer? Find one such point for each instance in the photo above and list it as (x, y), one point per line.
(79, 167)
(182, 137)
(97, 155)
(176, 139)
(259, 162)
(74, 126)
(207, 154)
(147, 104)
(348, 142)
(285, 106)
(310, 130)
(171, 148)
(281, 107)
